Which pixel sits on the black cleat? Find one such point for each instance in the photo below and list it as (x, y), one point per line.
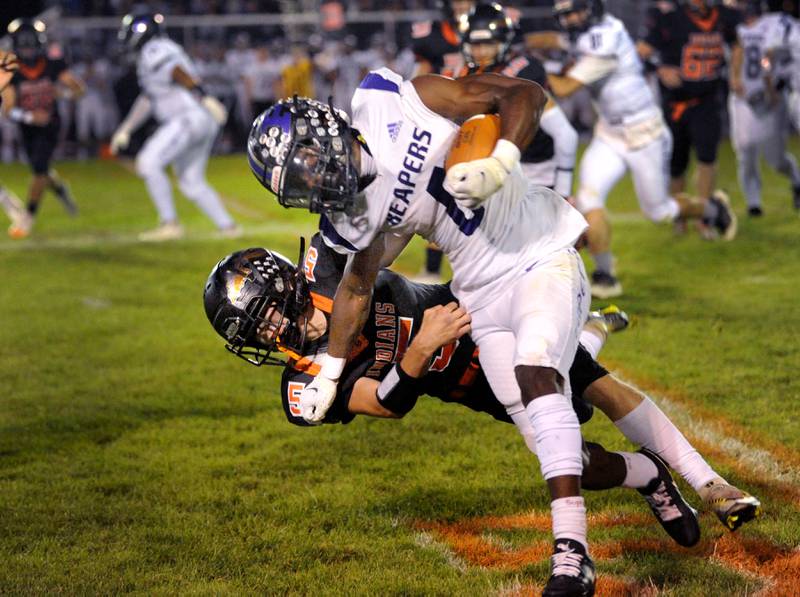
(796, 197)
(605, 285)
(724, 223)
(65, 196)
(677, 517)
(755, 211)
(571, 571)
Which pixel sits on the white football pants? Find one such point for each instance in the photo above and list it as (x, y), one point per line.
(185, 143)
(605, 162)
(754, 133)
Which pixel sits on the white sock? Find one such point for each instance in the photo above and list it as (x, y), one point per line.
(647, 426)
(558, 435)
(592, 342)
(569, 519)
(641, 470)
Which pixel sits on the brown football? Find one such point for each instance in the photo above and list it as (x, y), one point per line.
(475, 140)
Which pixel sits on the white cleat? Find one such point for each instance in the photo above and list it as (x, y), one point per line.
(21, 225)
(234, 231)
(166, 231)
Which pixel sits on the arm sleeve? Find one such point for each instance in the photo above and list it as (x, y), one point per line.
(589, 69)
(565, 142)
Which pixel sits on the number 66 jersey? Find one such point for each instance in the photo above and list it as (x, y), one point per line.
(406, 144)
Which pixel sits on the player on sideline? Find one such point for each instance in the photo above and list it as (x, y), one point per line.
(31, 102)
(630, 134)
(757, 109)
(516, 272)
(188, 119)
(411, 347)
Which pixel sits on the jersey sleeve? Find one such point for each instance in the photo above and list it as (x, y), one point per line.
(323, 268)
(159, 55)
(730, 24)
(589, 69)
(527, 68)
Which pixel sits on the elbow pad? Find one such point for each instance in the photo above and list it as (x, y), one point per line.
(398, 392)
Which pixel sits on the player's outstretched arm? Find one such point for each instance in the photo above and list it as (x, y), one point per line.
(350, 311)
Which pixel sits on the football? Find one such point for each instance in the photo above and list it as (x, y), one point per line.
(475, 140)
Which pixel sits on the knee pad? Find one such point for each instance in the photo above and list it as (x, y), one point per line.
(558, 435)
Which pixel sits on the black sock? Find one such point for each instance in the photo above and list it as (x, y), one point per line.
(433, 260)
(33, 207)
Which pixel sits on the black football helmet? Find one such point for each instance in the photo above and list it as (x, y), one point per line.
(301, 150)
(239, 292)
(137, 29)
(563, 8)
(28, 39)
(486, 23)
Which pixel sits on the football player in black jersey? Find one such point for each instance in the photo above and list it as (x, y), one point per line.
(686, 43)
(8, 65)
(436, 44)
(35, 87)
(414, 344)
(487, 33)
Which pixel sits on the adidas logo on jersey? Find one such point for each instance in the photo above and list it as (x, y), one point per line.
(394, 129)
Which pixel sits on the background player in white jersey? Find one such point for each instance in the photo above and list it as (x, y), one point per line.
(786, 40)
(630, 135)
(510, 245)
(757, 109)
(188, 121)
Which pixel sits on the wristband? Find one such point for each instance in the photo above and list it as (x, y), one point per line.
(563, 182)
(506, 153)
(398, 392)
(20, 115)
(332, 367)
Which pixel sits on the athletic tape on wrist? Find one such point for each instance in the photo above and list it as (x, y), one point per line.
(506, 153)
(398, 392)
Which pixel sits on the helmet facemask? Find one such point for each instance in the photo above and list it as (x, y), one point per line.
(302, 151)
(257, 301)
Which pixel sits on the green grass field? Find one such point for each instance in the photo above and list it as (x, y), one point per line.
(136, 455)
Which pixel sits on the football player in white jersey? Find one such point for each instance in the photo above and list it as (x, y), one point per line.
(188, 119)
(630, 134)
(782, 45)
(757, 109)
(381, 180)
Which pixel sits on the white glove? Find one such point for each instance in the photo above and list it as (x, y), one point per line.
(120, 141)
(216, 108)
(316, 398)
(471, 183)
